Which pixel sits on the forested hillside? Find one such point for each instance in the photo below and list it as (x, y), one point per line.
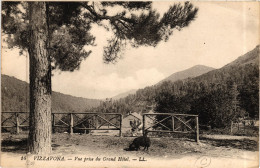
(15, 97)
(123, 95)
(219, 96)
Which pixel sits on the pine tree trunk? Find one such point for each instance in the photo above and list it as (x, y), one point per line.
(39, 141)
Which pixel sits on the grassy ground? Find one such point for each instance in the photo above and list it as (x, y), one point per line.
(214, 151)
(165, 147)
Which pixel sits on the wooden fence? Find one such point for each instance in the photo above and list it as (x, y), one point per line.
(14, 120)
(67, 121)
(171, 123)
(75, 122)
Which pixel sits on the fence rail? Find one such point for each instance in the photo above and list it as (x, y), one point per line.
(15, 120)
(171, 123)
(68, 121)
(77, 122)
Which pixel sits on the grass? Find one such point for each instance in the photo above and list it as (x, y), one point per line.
(164, 147)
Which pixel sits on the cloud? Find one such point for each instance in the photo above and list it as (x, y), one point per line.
(146, 77)
(104, 85)
(13, 64)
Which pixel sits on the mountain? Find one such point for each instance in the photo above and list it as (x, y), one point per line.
(194, 71)
(122, 95)
(217, 96)
(188, 73)
(15, 97)
(67, 103)
(236, 68)
(251, 57)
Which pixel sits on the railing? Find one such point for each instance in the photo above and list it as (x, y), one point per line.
(70, 121)
(171, 123)
(73, 122)
(15, 120)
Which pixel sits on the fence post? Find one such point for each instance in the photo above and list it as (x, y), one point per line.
(231, 127)
(244, 123)
(172, 123)
(197, 129)
(85, 129)
(120, 131)
(53, 123)
(17, 123)
(71, 123)
(143, 124)
(95, 118)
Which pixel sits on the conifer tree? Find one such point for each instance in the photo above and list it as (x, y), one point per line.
(55, 33)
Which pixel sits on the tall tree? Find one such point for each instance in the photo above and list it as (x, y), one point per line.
(40, 81)
(55, 33)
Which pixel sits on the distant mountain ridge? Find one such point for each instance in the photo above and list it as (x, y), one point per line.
(188, 73)
(15, 97)
(194, 71)
(251, 57)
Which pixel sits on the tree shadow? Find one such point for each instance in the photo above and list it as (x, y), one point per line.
(244, 144)
(14, 145)
(18, 146)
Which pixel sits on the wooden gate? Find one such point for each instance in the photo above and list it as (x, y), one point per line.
(171, 123)
(71, 122)
(87, 121)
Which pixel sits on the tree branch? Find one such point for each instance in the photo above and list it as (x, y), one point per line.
(120, 18)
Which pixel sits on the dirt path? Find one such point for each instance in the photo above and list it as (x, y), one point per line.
(229, 137)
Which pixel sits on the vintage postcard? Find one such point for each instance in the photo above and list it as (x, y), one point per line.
(129, 84)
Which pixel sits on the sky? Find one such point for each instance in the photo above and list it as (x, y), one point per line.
(221, 32)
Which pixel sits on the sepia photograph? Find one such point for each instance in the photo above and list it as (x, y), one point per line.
(130, 84)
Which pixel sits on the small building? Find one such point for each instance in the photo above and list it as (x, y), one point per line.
(130, 118)
(149, 121)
